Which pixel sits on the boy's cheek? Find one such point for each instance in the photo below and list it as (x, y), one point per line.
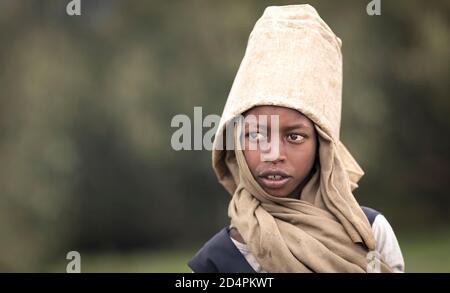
(252, 158)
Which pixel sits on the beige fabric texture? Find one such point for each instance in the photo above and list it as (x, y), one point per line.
(294, 60)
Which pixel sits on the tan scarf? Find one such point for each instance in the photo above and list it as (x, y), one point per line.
(324, 231)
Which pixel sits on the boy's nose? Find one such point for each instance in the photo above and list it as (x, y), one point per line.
(273, 151)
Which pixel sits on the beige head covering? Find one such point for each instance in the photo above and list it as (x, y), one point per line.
(293, 59)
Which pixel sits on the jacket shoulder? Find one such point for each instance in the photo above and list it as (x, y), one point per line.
(370, 213)
(220, 255)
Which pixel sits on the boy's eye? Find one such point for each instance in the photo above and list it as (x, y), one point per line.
(295, 137)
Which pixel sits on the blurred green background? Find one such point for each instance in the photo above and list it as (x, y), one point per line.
(86, 104)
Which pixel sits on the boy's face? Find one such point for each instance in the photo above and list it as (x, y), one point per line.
(285, 173)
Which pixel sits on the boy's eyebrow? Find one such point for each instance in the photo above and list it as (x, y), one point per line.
(296, 126)
(286, 128)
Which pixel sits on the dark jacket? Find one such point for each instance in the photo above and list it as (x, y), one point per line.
(220, 255)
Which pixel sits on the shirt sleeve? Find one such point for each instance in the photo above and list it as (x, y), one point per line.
(387, 245)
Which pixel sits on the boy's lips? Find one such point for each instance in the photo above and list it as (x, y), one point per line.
(274, 179)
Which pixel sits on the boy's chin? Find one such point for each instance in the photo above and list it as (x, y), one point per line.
(279, 193)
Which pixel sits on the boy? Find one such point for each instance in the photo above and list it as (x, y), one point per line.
(291, 178)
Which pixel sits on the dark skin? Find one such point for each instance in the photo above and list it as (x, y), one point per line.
(285, 174)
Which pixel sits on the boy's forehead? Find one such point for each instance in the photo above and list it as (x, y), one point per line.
(285, 115)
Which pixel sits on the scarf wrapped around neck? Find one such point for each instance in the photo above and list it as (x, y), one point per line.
(322, 231)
